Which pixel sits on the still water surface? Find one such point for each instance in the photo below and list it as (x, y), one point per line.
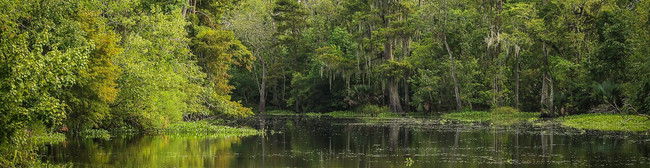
(300, 141)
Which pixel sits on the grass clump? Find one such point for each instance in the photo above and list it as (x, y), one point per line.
(22, 149)
(504, 110)
(607, 122)
(48, 138)
(279, 112)
(205, 128)
(499, 116)
(96, 134)
(388, 114)
(313, 114)
(346, 114)
(372, 110)
(469, 116)
(365, 111)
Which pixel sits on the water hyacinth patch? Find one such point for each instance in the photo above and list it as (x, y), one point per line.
(607, 122)
(496, 117)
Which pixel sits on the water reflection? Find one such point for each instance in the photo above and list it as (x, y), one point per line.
(300, 141)
(453, 156)
(154, 151)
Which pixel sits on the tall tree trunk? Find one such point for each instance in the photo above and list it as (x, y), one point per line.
(262, 90)
(544, 92)
(276, 94)
(194, 7)
(517, 79)
(551, 99)
(184, 10)
(393, 95)
(406, 94)
(459, 106)
(544, 74)
(297, 106)
(393, 92)
(453, 73)
(500, 84)
(547, 100)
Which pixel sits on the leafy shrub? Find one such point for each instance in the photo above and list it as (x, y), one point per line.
(96, 134)
(279, 112)
(388, 114)
(372, 110)
(607, 122)
(345, 114)
(48, 138)
(504, 110)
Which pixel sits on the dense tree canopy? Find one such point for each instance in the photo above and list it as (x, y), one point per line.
(549, 56)
(104, 64)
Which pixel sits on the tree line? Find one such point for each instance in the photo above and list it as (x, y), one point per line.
(556, 57)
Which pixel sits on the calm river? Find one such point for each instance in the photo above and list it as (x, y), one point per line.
(301, 141)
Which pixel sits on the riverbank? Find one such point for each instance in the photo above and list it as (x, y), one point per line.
(600, 122)
(502, 115)
(507, 116)
(325, 141)
(347, 114)
(185, 128)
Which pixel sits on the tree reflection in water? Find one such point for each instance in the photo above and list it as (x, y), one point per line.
(299, 141)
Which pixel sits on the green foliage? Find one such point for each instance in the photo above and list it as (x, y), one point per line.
(95, 134)
(290, 17)
(20, 150)
(362, 94)
(89, 99)
(501, 116)
(608, 122)
(388, 114)
(279, 112)
(312, 114)
(147, 64)
(426, 90)
(91, 64)
(158, 76)
(395, 68)
(48, 138)
(217, 51)
(607, 92)
(504, 111)
(540, 42)
(346, 114)
(372, 110)
(469, 116)
(608, 63)
(43, 50)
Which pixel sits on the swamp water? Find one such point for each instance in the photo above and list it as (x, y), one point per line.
(301, 141)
